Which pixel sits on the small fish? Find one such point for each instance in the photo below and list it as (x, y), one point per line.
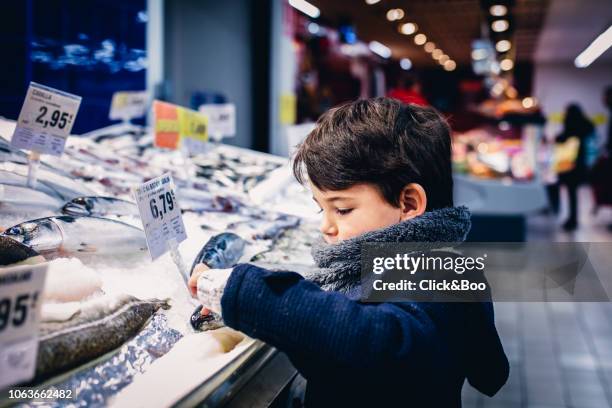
(79, 236)
(13, 252)
(25, 200)
(220, 252)
(200, 322)
(100, 207)
(98, 327)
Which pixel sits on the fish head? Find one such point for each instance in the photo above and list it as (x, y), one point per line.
(79, 206)
(39, 235)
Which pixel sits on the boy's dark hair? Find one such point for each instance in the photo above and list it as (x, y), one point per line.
(382, 142)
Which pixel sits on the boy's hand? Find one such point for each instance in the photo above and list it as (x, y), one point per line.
(193, 279)
(208, 286)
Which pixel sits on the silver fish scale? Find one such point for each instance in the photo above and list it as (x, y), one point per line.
(94, 386)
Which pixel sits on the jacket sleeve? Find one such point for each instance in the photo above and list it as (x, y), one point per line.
(295, 315)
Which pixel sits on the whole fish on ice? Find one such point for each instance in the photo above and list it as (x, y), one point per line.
(100, 207)
(79, 236)
(220, 252)
(89, 331)
(13, 252)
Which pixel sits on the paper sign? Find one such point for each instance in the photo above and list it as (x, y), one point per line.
(221, 118)
(20, 298)
(127, 105)
(45, 120)
(175, 125)
(160, 214)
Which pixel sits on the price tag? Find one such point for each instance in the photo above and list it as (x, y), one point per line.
(160, 214)
(45, 120)
(127, 105)
(20, 293)
(176, 126)
(221, 118)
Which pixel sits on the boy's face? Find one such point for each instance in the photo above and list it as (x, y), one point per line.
(359, 209)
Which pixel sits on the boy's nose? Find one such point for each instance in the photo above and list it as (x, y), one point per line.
(328, 228)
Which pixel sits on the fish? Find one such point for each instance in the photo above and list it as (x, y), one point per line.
(221, 251)
(25, 200)
(82, 237)
(14, 179)
(100, 207)
(99, 326)
(15, 253)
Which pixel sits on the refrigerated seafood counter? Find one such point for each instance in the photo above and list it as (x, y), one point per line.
(115, 327)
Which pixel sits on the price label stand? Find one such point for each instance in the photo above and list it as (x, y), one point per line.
(45, 121)
(162, 219)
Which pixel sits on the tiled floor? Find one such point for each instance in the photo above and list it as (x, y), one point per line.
(560, 353)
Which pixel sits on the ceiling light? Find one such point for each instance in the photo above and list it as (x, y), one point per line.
(305, 7)
(313, 28)
(528, 102)
(442, 60)
(498, 10)
(500, 25)
(408, 28)
(506, 64)
(429, 46)
(450, 65)
(420, 39)
(437, 53)
(380, 49)
(406, 64)
(595, 49)
(370, 2)
(395, 14)
(503, 45)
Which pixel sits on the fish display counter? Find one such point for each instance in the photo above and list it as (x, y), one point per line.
(115, 326)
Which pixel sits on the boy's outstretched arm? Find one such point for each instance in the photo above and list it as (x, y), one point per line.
(293, 314)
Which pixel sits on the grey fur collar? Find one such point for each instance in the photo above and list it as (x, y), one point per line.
(340, 264)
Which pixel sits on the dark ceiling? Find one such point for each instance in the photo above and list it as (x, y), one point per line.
(450, 24)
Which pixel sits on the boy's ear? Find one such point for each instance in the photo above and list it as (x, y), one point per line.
(413, 201)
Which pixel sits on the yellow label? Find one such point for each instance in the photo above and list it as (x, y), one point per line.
(288, 108)
(193, 125)
(167, 125)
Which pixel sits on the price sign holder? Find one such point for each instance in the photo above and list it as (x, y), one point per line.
(45, 121)
(162, 219)
(128, 105)
(20, 299)
(221, 120)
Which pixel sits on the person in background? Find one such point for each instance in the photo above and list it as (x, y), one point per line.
(575, 124)
(408, 90)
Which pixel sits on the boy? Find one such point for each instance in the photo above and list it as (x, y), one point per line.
(381, 172)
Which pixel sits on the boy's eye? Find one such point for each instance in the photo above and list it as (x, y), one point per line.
(320, 211)
(344, 211)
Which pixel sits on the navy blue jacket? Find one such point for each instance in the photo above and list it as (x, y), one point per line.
(363, 354)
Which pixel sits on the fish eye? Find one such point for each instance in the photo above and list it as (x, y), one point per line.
(14, 231)
(80, 200)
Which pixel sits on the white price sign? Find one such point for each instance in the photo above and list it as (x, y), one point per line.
(221, 118)
(45, 120)
(20, 298)
(160, 214)
(127, 105)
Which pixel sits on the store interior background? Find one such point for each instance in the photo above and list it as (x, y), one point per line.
(282, 68)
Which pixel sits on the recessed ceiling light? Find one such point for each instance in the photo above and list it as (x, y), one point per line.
(395, 14)
(405, 64)
(503, 45)
(450, 65)
(437, 53)
(498, 10)
(408, 28)
(506, 64)
(429, 46)
(500, 26)
(420, 39)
